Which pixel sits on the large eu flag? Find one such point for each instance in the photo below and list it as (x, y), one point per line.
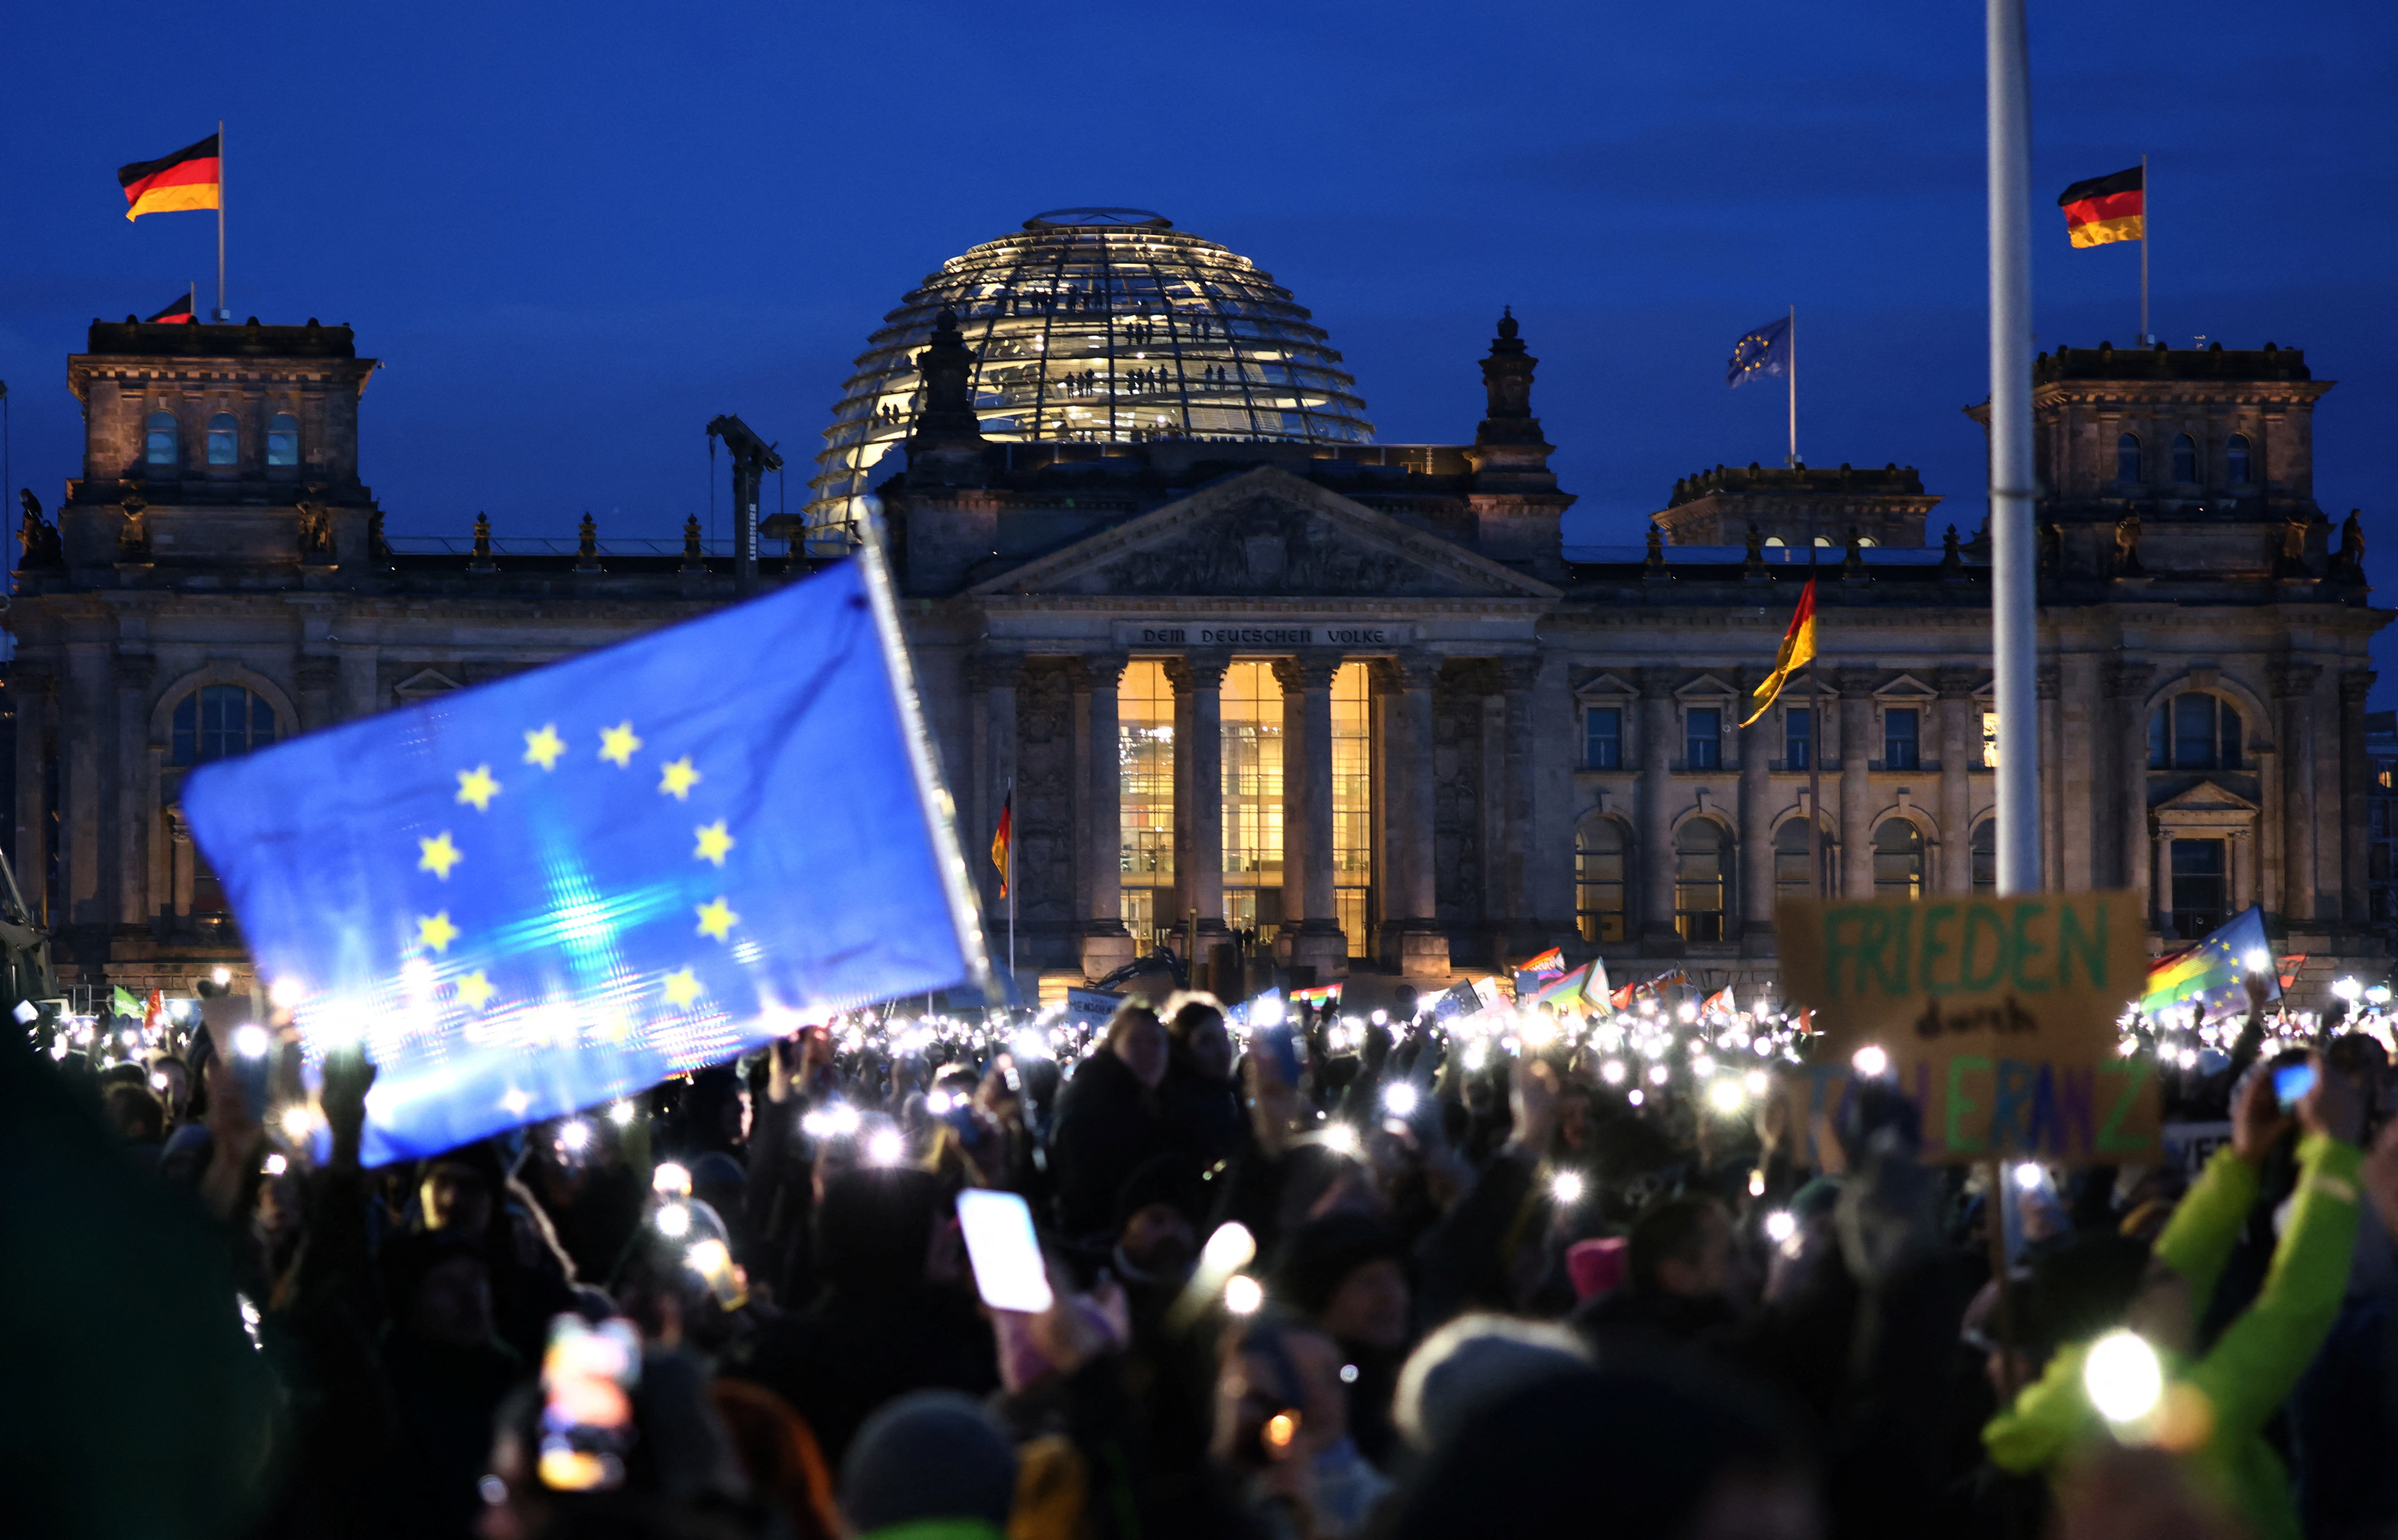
(2211, 976)
(536, 895)
(1764, 351)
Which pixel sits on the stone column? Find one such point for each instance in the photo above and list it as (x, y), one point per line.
(2293, 686)
(135, 673)
(2077, 772)
(1318, 941)
(1199, 867)
(361, 696)
(2355, 781)
(36, 691)
(2244, 869)
(1294, 801)
(320, 690)
(185, 856)
(2058, 788)
(1520, 675)
(1106, 946)
(85, 708)
(1857, 750)
(993, 676)
(1958, 746)
(2161, 864)
(2127, 694)
(1412, 938)
(1653, 815)
(1756, 833)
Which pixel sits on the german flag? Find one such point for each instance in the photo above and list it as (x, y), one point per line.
(1798, 647)
(181, 310)
(2106, 208)
(191, 178)
(1001, 838)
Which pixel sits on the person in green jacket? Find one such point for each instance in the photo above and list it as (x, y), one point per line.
(2215, 1403)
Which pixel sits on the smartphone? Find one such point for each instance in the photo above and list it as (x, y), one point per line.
(587, 1375)
(1010, 1272)
(1279, 1045)
(2290, 1083)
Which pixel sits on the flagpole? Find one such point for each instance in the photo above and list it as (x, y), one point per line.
(2144, 227)
(222, 313)
(1009, 878)
(1791, 377)
(1816, 742)
(2015, 597)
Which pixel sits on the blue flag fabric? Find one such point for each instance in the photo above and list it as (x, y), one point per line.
(1764, 351)
(2213, 975)
(561, 887)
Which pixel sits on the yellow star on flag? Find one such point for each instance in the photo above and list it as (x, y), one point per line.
(434, 930)
(716, 920)
(679, 779)
(714, 843)
(618, 744)
(438, 855)
(545, 747)
(477, 786)
(475, 989)
(683, 988)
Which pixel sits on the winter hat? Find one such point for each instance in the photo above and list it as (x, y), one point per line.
(1596, 1266)
(1320, 1254)
(931, 1454)
(1475, 1361)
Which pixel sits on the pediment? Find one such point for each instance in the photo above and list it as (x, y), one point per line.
(1265, 533)
(424, 682)
(1906, 687)
(2206, 797)
(1605, 687)
(1706, 686)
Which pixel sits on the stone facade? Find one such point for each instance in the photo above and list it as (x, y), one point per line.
(1545, 748)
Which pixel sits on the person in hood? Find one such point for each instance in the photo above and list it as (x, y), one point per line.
(1109, 1121)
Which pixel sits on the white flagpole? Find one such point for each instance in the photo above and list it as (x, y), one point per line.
(2145, 340)
(1791, 376)
(2015, 593)
(1009, 877)
(222, 313)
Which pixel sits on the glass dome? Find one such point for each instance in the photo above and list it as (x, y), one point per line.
(1093, 326)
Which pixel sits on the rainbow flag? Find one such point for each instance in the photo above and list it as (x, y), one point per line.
(1550, 962)
(1570, 991)
(2213, 974)
(1322, 993)
(1721, 1000)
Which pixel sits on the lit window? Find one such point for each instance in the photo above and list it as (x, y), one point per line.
(2185, 461)
(1900, 729)
(1352, 803)
(158, 444)
(1990, 740)
(283, 439)
(1790, 878)
(2194, 732)
(1865, 542)
(224, 440)
(1774, 539)
(1898, 860)
(1698, 880)
(2199, 889)
(2236, 466)
(1703, 738)
(2127, 459)
(1603, 737)
(218, 722)
(1598, 879)
(1251, 700)
(1145, 793)
(1986, 856)
(1797, 737)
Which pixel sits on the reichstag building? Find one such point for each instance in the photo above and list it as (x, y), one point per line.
(1242, 670)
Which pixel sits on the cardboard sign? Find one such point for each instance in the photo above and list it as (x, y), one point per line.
(1998, 1016)
(1091, 1009)
(2191, 1145)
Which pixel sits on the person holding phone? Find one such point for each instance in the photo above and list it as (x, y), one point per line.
(2227, 1392)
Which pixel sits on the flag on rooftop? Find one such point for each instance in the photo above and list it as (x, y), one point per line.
(181, 310)
(191, 178)
(1797, 650)
(566, 885)
(2213, 975)
(1762, 352)
(2106, 208)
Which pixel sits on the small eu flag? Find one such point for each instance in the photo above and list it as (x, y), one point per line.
(533, 896)
(1764, 351)
(2213, 975)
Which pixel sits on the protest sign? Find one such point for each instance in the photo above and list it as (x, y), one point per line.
(1091, 1009)
(1996, 1015)
(2191, 1145)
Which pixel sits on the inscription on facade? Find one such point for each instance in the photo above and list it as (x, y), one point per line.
(1233, 634)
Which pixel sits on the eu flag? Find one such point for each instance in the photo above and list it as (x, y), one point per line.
(557, 888)
(2213, 975)
(1764, 351)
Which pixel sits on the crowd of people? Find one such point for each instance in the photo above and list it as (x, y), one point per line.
(1361, 1282)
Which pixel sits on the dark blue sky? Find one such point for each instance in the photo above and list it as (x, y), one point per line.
(576, 234)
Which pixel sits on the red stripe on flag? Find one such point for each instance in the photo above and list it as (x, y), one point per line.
(2114, 205)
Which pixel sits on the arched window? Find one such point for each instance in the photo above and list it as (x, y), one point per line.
(2127, 459)
(2194, 730)
(2185, 461)
(158, 447)
(219, 721)
(1598, 880)
(224, 440)
(283, 439)
(2236, 466)
(1867, 543)
(1774, 539)
(1898, 860)
(1986, 856)
(1698, 880)
(1790, 879)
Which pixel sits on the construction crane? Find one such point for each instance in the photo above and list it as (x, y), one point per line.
(752, 457)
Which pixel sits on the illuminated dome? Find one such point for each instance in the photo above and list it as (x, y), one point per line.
(1099, 325)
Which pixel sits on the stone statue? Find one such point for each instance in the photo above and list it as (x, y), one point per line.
(2127, 546)
(133, 540)
(1756, 545)
(2349, 562)
(2294, 548)
(37, 539)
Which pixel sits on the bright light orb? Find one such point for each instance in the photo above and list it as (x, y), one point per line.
(1401, 1099)
(1242, 1294)
(674, 1221)
(1870, 1062)
(1780, 1226)
(1566, 1186)
(1727, 1096)
(1611, 1072)
(574, 1137)
(886, 1148)
(1231, 1249)
(2122, 1377)
(2027, 1177)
